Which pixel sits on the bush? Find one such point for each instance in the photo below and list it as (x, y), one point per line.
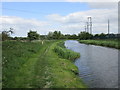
(65, 53)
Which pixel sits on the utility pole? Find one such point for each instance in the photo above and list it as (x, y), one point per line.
(108, 27)
(87, 27)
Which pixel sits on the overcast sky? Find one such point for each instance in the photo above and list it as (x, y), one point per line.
(67, 17)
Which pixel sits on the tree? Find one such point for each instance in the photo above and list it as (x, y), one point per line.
(74, 36)
(6, 34)
(68, 36)
(33, 35)
(50, 35)
(55, 35)
(102, 36)
(85, 35)
(96, 36)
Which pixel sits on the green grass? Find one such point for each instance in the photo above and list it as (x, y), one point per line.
(18, 60)
(107, 43)
(65, 53)
(33, 65)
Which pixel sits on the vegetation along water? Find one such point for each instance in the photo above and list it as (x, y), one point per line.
(108, 43)
(33, 65)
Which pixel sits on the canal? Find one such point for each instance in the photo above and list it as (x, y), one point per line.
(98, 66)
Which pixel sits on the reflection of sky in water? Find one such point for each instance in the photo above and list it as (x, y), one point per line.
(98, 65)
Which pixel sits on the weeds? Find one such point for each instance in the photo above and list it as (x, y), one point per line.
(15, 54)
(65, 53)
(107, 43)
(33, 65)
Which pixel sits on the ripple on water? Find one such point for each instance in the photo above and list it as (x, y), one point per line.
(98, 66)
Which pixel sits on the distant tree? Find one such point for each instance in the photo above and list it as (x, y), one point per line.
(74, 36)
(16, 38)
(96, 36)
(56, 35)
(102, 36)
(68, 36)
(59, 34)
(33, 35)
(50, 35)
(62, 36)
(85, 35)
(43, 37)
(112, 36)
(6, 34)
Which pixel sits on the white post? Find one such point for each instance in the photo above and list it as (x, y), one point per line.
(42, 42)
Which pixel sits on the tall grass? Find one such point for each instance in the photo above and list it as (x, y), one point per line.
(14, 55)
(107, 43)
(65, 53)
(64, 74)
(33, 65)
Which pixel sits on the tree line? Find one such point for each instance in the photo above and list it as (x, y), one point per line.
(56, 35)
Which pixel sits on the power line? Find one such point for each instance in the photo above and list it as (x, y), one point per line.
(25, 11)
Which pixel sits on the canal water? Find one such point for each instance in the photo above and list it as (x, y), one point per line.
(98, 66)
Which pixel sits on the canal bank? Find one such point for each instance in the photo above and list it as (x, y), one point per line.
(105, 43)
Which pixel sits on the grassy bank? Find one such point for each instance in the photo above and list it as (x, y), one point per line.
(106, 43)
(65, 53)
(33, 65)
(18, 60)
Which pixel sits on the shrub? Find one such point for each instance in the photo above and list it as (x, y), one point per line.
(65, 53)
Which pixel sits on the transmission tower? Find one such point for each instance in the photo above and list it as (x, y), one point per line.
(90, 25)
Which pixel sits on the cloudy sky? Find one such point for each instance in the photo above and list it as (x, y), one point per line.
(68, 17)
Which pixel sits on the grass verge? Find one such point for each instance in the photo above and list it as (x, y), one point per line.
(65, 53)
(33, 65)
(18, 62)
(106, 43)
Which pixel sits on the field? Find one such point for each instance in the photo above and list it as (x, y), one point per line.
(107, 43)
(33, 65)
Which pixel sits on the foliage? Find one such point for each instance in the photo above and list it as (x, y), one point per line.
(74, 36)
(65, 53)
(6, 34)
(33, 35)
(84, 36)
(108, 43)
(33, 65)
(15, 54)
(100, 36)
(55, 35)
(43, 37)
(20, 38)
(50, 35)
